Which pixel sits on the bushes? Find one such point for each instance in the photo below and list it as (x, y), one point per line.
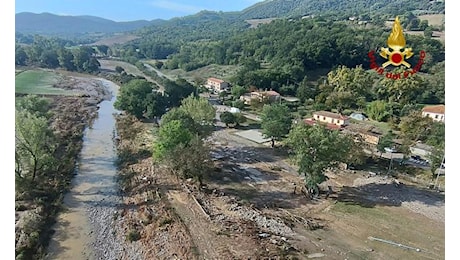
(133, 235)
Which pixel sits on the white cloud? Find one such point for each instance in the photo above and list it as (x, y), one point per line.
(178, 7)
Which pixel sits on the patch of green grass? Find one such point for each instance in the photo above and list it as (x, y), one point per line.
(38, 82)
(224, 72)
(372, 213)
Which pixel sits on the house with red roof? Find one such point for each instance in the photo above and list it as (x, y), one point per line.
(330, 120)
(435, 112)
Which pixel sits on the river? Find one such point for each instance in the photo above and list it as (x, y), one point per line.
(84, 228)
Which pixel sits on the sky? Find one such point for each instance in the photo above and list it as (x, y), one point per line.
(118, 10)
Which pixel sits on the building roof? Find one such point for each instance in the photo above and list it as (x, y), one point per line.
(311, 121)
(330, 115)
(438, 109)
(216, 80)
(272, 93)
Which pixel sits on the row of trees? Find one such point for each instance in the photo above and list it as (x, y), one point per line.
(140, 97)
(54, 53)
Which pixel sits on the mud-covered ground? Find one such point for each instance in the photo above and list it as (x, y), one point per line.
(252, 209)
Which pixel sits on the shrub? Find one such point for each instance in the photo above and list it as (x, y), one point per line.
(133, 235)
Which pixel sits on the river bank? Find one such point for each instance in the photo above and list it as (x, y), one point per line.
(86, 229)
(37, 211)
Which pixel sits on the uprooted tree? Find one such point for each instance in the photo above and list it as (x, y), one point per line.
(315, 149)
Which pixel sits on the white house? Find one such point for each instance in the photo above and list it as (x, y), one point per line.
(435, 112)
(331, 118)
(217, 85)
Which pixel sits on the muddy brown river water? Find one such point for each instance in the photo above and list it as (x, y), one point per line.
(83, 229)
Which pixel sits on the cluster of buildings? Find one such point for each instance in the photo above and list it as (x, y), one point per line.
(266, 96)
(332, 121)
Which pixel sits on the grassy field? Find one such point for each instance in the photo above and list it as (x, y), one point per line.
(38, 82)
(224, 72)
(116, 39)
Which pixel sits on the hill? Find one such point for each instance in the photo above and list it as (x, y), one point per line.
(296, 8)
(51, 24)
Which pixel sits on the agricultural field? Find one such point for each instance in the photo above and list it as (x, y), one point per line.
(116, 39)
(39, 82)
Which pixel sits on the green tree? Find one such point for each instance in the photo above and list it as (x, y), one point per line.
(316, 149)
(415, 127)
(65, 58)
(276, 122)
(35, 105)
(238, 104)
(227, 118)
(305, 91)
(184, 117)
(437, 134)
(190, 160)
(81, 58)
(385, 141)
(238, 91)
(403, 91)
(20, 56)
(34, 143)
(155, 104)
(170, 136)
(377, 110)
(223, 95)
(132, 97)
(201, 111)
(178, 90)
(239, 118)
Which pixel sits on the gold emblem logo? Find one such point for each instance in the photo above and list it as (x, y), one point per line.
(397, 51)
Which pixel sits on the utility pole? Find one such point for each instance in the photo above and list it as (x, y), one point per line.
(391, 161)
(439, 171)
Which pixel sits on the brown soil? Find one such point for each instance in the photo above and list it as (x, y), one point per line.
(248, 210)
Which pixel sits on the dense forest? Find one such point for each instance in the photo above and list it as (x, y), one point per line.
(339, 8)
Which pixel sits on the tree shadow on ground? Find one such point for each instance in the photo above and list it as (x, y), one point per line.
(393, 194)
(248, 126)
(269, 199)
(248, 154)
(231, 174)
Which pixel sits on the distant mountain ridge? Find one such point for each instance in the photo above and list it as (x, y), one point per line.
(296, 8)
(52, 24)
